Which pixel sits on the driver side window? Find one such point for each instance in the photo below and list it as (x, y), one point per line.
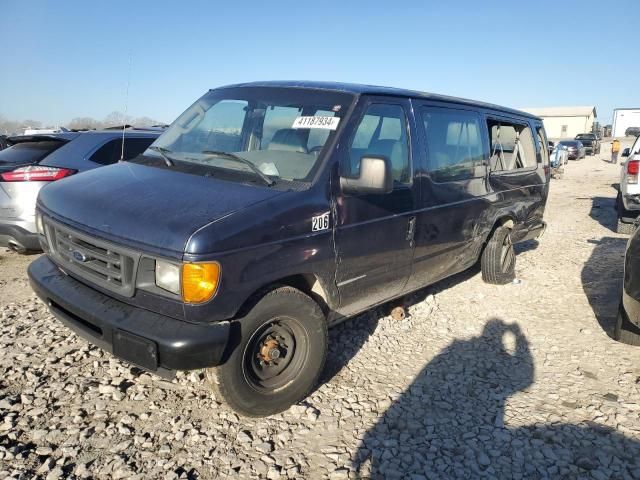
(382, 131)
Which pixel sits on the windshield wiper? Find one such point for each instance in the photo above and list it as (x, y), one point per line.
(239, 159)
(164, 153)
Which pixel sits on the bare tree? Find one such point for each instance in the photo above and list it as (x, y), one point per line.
(32, 123)
(145, 122)
(13, 127)
(117, 118)
(80, 123)
(9, 127)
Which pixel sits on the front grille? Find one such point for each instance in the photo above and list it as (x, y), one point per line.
(107, 265)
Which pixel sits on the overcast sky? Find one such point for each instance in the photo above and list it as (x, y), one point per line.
(70, 58)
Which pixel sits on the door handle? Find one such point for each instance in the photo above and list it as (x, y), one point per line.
(411, 229)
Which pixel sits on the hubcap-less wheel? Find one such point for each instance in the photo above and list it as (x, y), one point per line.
(275, 355)
(279, 349)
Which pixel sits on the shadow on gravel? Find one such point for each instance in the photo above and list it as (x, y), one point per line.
(603, 210)
(527, 246)
(450, 422)
(601, 278)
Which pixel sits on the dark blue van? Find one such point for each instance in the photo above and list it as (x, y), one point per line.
(268, 212)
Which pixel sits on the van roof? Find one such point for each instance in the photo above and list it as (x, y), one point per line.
(359, 89)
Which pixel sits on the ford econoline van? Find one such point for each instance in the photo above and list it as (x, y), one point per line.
(269, 212)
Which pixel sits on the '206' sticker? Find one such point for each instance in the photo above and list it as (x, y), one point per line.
(320, 222)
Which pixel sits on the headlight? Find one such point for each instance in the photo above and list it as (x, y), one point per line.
(168, 276)
(199, 281)
(39, 224)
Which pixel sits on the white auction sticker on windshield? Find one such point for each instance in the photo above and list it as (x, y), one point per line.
(326, 123)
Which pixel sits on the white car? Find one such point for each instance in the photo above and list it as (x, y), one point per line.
(628, 201)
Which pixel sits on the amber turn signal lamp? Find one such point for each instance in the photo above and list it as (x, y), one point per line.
(199, 281)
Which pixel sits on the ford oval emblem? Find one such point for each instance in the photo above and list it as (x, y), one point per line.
(79, 256)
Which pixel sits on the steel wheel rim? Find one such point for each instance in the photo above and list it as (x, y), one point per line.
(275, 354)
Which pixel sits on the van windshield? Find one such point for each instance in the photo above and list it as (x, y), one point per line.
(273, 132)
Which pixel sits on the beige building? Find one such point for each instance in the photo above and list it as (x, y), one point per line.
(565, 122)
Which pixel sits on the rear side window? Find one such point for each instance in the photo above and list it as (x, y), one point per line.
(512, 146)
(543, 145)
(29, 152)
(454, 143)
(111, 151)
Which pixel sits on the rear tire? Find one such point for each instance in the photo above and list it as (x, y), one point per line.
(498, 262)
(280, 355)
(622, 227)
(625, 331)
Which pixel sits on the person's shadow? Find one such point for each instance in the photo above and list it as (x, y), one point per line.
(450, 423)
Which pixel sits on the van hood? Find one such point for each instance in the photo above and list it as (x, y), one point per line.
(150, 208)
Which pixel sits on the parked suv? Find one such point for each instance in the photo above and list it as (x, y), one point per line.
(628, 199)
(268, 212)
(33, 161)
(590, 142)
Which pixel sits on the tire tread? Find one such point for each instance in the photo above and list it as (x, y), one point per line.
(490, 260)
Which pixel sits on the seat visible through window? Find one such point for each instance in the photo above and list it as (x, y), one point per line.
(382, 132)
(288, 139)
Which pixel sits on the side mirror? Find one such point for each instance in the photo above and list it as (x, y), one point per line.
(625, 152)
(374, 178)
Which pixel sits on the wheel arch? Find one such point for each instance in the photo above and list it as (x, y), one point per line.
(502, 220)
(506, 219)
(308, 283)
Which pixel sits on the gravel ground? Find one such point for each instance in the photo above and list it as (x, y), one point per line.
(480, 381)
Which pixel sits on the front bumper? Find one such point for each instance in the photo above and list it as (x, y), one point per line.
(152, 341)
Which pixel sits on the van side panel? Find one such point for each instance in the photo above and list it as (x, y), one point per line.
(522, 192)
(273, 241)
(453, 221)
(457, 215)
(374, 239)
(453, 214)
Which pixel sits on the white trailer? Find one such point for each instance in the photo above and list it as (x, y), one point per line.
(624, 118)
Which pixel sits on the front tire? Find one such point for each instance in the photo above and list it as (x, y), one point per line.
(280, 355)
(498, 262)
